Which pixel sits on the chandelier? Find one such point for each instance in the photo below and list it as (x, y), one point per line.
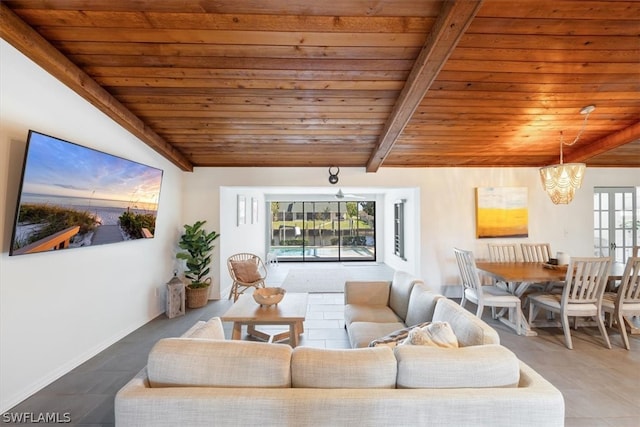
(561, 181)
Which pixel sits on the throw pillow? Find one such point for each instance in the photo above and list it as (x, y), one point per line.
(246, 271)
(437, 334)
(395, 337)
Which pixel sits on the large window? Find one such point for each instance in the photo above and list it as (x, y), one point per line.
(323, 231)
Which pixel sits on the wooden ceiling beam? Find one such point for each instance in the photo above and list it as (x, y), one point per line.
(609, 142)
(453, 20)
(24, 38)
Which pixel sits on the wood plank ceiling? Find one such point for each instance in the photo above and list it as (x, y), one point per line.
(363, 83)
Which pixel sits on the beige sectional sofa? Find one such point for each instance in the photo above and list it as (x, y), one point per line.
(202, 380)
(374, 310)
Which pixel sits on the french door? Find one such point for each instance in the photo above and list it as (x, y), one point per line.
(615, 222)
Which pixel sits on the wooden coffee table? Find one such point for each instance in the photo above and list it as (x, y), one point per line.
(291, 311)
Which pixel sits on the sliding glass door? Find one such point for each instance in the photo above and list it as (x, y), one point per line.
(323, 231)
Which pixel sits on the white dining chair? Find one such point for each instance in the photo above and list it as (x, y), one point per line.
(626, 301)
(504, 252)
(539, 252)
(581, 296)
(536, 252)
(490, 296)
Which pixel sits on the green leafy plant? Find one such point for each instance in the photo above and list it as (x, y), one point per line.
(197, 246)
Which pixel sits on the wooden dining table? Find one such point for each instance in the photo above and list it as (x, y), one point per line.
(518, 276)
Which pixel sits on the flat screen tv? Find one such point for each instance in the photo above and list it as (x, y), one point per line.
(73, 196)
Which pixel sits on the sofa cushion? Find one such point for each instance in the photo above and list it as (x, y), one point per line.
(187, 362)
(435, 334)
(401, 287)
(343, 368)
(465, 367)
(422, 304)
(395, 337)
(369, 313)
(362, 333)
(367, 292)
(212, 330)
(468, 328)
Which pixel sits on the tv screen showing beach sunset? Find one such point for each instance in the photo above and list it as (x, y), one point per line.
(73, 196)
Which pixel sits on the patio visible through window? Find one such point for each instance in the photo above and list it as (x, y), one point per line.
(323, 231)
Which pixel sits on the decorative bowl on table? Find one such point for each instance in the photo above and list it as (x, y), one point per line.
(268, 296)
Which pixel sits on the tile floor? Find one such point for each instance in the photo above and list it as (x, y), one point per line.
(601, 386)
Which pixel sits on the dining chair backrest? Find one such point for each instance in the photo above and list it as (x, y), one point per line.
(585, 280)
(503, 252)
(536, 252)
(468, 271)
(629, 289)
(625, 301)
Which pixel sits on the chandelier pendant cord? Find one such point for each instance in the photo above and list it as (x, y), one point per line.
(584, 125)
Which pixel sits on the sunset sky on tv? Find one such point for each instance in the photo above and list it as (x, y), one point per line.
(59, 168)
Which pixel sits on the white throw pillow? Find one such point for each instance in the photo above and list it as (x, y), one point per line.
(436, 334)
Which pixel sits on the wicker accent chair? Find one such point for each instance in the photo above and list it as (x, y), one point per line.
(247, 271)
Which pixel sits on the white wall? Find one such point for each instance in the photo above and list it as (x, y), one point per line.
(59, 309)
(446, 207)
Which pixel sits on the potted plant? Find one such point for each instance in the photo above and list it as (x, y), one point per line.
(197, 246)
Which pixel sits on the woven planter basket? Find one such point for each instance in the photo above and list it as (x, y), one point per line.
(197, 297)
